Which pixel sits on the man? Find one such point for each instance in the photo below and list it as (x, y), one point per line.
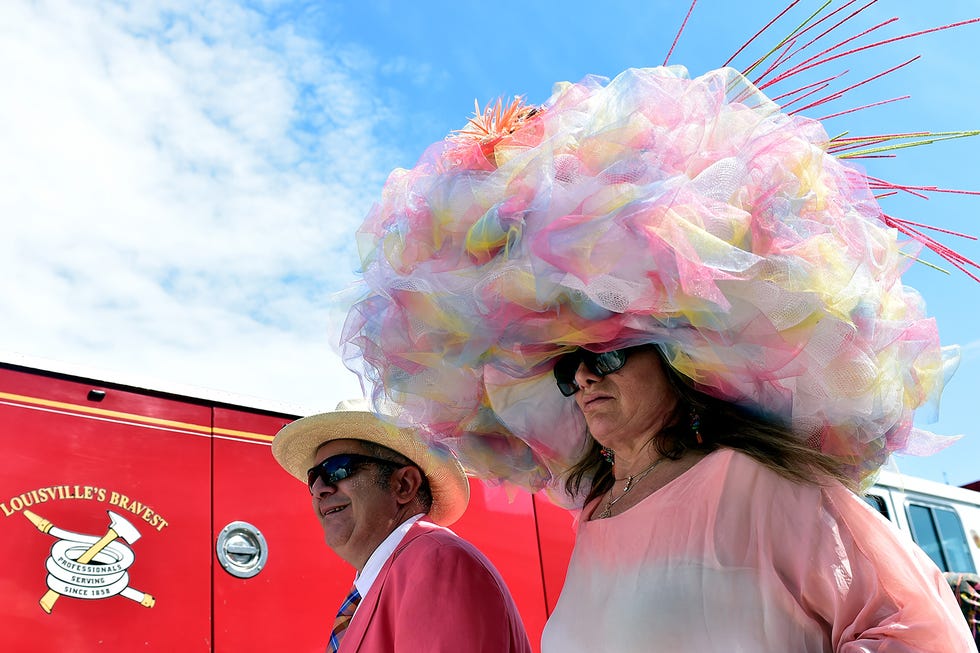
(383, 499)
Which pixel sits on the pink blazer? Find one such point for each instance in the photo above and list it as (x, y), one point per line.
(436, 593)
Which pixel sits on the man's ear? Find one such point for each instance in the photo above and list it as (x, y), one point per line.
(405, 484)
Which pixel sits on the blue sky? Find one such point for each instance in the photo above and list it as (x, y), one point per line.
(180, 180)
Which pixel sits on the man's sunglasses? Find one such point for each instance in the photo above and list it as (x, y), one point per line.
(599, 364)
(336, 468)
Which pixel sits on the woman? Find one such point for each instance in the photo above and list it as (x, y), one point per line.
(700, 536)
(694, 213)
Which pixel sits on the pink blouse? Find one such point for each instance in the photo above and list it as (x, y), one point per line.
(730, 556)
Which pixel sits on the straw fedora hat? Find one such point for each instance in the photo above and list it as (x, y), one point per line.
(295, 446)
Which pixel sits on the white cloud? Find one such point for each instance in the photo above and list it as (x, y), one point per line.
(179, 185)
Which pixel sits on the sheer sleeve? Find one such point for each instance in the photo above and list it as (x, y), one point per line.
(851, 569)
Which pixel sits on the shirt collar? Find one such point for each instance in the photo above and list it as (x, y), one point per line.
(364, 580)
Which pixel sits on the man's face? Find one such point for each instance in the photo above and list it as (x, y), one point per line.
(356, 513)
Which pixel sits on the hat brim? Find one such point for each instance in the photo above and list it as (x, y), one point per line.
(296, 444)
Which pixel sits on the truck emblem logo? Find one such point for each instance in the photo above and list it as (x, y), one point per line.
(88, 566)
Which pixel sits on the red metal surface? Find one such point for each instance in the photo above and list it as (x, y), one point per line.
(179, 471)
(556, 535)
(503, 529)
(70, 466)
(291, 603)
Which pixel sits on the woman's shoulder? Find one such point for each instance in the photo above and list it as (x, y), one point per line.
(720, 472)
(725, 461)
(743, 473)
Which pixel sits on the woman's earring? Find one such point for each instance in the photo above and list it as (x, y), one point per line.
(696, 426)
(607, 454)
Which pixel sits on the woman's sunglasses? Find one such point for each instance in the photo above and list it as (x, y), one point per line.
(599, 364)
(337, 468)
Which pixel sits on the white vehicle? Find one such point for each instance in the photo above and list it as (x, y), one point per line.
(942, 519)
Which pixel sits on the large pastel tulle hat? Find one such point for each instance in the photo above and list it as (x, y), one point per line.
(650, 208)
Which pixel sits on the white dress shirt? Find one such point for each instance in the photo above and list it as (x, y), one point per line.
(365, 579)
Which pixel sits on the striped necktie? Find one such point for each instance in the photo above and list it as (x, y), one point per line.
(343, 620)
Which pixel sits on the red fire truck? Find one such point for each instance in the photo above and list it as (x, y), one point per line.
(140, 519)
(134, 519)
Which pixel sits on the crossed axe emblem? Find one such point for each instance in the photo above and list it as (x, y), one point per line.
(72, 572)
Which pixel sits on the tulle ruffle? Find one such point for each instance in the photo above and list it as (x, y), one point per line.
(652, 208)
